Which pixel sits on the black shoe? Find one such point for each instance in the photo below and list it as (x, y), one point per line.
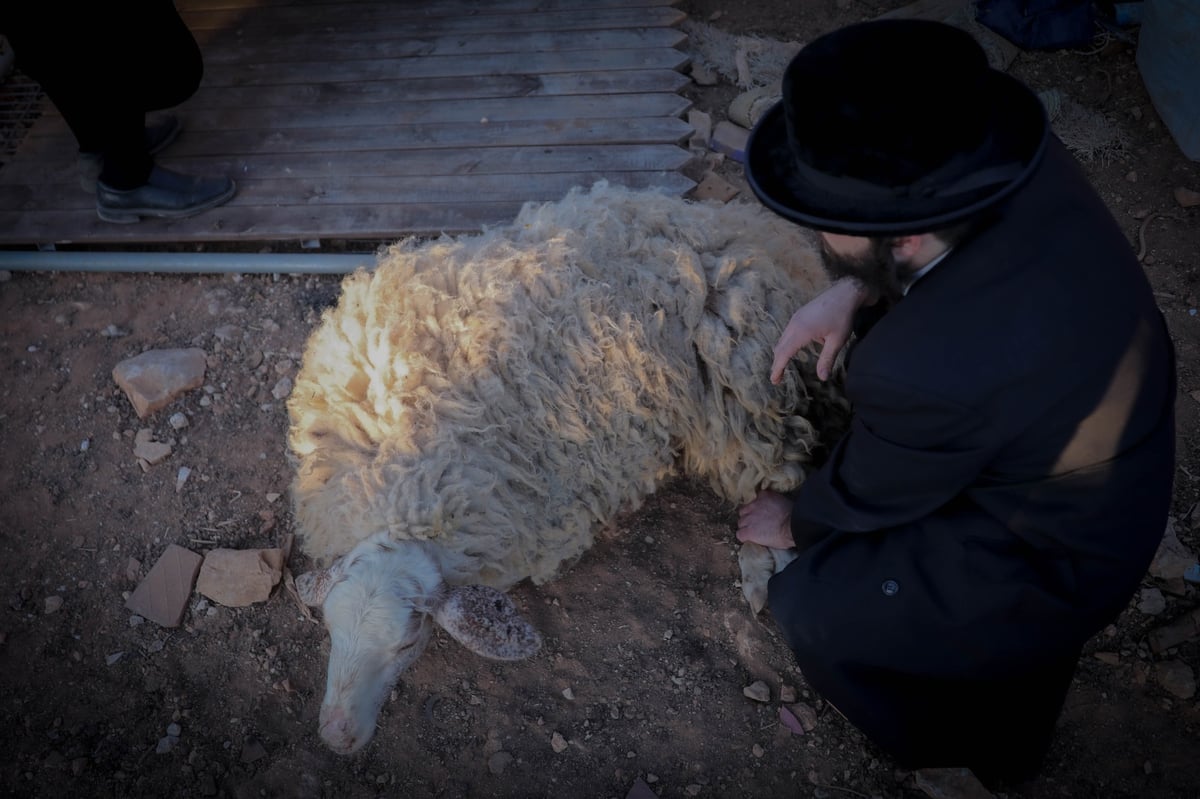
(159, 134)
(165, 194)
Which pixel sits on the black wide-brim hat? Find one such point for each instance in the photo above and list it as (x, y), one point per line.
(894, 127)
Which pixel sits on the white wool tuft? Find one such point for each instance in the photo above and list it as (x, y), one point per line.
(505, 395)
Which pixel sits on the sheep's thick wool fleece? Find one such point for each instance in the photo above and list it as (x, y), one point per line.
(509, 393)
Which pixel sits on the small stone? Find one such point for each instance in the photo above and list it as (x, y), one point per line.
(694, 789)
(499, 761)
(162, 596)
(1140, 213)
(712, 187)
(704, 75)
(237, 578)
(52, 604)
(758, 691)
(757, 751)
(136, 620)
(174, 730)
(254, 359)
(112, 659)
(1187, 198)
(568, 694)
(1151, 602)
(787, 694)
(730, 139)
(155, 378)
(165, 745)
(558, 743)
(806, 715)
(226, 333)
(1177, 678)
(181, 478)
(951, 783)
(152, 452)
(1109, 658)
(252, 750)
(178, 421)
(282, 389)
(1131, 176)
(133, 570)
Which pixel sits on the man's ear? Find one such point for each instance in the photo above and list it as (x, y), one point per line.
(905, 248)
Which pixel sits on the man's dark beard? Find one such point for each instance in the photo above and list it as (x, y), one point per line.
(876, 268)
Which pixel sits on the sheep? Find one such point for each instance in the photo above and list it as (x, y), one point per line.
(475, 409)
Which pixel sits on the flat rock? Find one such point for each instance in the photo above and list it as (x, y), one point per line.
(155, 378)
(640, 790)
(1177, 678)
(162, 595)
(1175, 633)
(951, 783)
(1187, 198)
(1151, 601)
(713, 187)
(730, 139)
(153, 452)
(1172, 558)
(758, 691)
(240, 577)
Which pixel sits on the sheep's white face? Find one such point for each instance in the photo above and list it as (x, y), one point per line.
(380, 603)
(376, 631)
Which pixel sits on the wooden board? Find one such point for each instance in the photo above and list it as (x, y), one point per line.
(344, 119)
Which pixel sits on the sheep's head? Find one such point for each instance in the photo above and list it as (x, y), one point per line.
(380, 602)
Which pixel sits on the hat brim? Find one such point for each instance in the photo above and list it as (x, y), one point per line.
(1020, 133)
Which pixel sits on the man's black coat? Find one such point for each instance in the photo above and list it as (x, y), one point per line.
(1003, 486)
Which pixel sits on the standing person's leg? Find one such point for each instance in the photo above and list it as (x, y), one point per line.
(104, 66)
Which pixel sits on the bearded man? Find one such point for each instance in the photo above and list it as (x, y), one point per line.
(1007, 473)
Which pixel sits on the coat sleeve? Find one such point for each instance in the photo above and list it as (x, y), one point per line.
(908, 453)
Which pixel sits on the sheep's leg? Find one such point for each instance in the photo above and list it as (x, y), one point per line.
(758, 564)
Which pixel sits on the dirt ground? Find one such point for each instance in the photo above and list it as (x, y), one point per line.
(648, 642)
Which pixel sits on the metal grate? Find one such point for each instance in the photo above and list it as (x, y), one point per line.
(20, 106)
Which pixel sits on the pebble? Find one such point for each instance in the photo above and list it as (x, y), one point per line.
(253, 750)
(806, 716)
(112, 331)
(757, 751)
(758, 691)
(1186, 197)
(282, 389)
(1110, 658)
(112, 659)
(1152, 602)
(568, 694)
(787, 694)
(1177, 678)
(52, 604)
(174, 730)
(136, 621)
(558, 743)
(499, 761)
(178, 421)
(165, 744)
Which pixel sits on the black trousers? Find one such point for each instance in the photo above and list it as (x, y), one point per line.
(104, 65)
(940, 656)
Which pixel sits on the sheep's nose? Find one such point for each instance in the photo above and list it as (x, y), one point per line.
(336, 731)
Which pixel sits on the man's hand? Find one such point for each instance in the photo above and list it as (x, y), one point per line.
(827, 319)
(767, 520)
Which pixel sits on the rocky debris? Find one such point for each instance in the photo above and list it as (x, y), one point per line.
(787, 694)
(52, 604)
(640, 790)
(1151, 601)
(558, 743)
(701, 130)
(951, 783)
(133, 570)
(148, 451)
(155, 378)
(181, 478)
(1109, 658)
(162, 595)
(1187, 198)
(1177, 678)
(730, 139)
(788, 719)
(237, 578)
(712, 187)
(499, 761)
(253, 750)
(806, 715)
(282, 388)
(758, 691)
(178, 421)
(1174, 634)
(1172, 558)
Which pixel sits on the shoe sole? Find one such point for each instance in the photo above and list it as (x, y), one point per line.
(125, 216)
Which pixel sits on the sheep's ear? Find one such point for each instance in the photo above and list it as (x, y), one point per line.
(487, 622)
(314, 586)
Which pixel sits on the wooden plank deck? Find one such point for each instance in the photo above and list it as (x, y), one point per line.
(352, 119)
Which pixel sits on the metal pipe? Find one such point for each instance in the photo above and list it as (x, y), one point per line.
(185, 262)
